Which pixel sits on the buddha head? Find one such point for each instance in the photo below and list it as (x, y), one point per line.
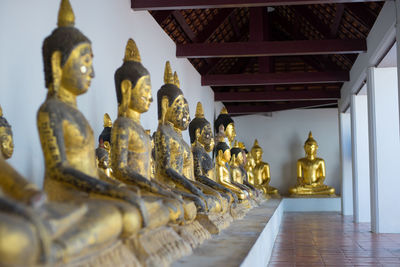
(251, 163)
(6, 137)
(132, 82)
(222, 152)
(172, 106)
(310, 146)
(229, 126)
(67, 56)
(237, 154)
(200, 130)
(256, 151)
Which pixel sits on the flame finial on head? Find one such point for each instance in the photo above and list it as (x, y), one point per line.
(132, 52)
(256, 145)
(107, 122)
(310, 139)
(176, 80)
(242, 146)
(199, 111)
(168, 77)
(236, 144)
(66, 17)
(224, 111)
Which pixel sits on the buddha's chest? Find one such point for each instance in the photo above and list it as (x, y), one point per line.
(77, 133)
(139, 150)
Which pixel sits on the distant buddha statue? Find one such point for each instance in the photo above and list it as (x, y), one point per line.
(201, 137)
(103, 151)
(261, 171)
(311, 173)
(222, 158)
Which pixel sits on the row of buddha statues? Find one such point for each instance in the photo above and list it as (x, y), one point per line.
(138, 199)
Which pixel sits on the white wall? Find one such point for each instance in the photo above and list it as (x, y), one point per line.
(384, 149)
(282, 138)
(360, 154)
(23, 26)
(346, 163)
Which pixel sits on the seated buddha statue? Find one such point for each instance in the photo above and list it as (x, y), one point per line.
(201, 137)
(238, 172)
(37, 232)
(261, 171)
(103, 151)
(225, 128)
(222, 158)
(311, 173)
(67, 139)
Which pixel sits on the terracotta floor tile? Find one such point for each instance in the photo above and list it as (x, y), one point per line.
(329, 239)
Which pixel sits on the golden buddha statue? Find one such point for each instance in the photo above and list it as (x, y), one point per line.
(174, 158)
(261, 171)
(222, 158)
(103, 151)
(238, 172)
(311, 173)
(201, 137)
(225, 128)
(35, 232)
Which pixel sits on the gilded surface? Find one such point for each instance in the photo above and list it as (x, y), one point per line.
(311, 172)
(260, 170)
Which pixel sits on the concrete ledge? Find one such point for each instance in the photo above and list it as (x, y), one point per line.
(312, 204)
(247, 242)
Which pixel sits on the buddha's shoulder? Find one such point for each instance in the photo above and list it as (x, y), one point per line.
(123, 123)
(51, 104)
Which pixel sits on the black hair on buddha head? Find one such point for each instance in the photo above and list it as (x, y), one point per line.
(130, 70)
(221, 146)
(236, 150)
(196, 123)
(170, 91)
(105, 135)
(223, 118)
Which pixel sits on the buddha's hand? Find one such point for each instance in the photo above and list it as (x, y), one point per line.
(134, 199)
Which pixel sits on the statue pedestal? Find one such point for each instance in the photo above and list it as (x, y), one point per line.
(309, 204)
(247, 242)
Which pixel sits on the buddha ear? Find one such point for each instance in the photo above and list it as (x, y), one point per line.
(126, 86)
(233, 158)
(164, 108)
(220, 153)
(56, 71)
(197, 133)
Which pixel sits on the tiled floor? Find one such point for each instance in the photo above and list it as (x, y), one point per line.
(329, 239)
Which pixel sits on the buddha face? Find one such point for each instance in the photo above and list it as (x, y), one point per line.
(230, 132)
(239, 158)
(141, 97)
(206, 138)
(178, 113)
(77, 71)
(310, 148)
(227, 155)
(250, 161)
(257, 154)
(7, 144)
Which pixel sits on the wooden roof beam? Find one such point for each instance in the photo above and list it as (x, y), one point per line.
(203, 4)
(271, 107)
(271, 48)
(274, 78)
(276, 96)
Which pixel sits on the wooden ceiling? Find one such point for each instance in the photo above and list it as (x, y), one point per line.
(261, 56)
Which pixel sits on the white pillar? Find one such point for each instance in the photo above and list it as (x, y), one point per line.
(383, 118)
(346, 161)
(360, 155)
